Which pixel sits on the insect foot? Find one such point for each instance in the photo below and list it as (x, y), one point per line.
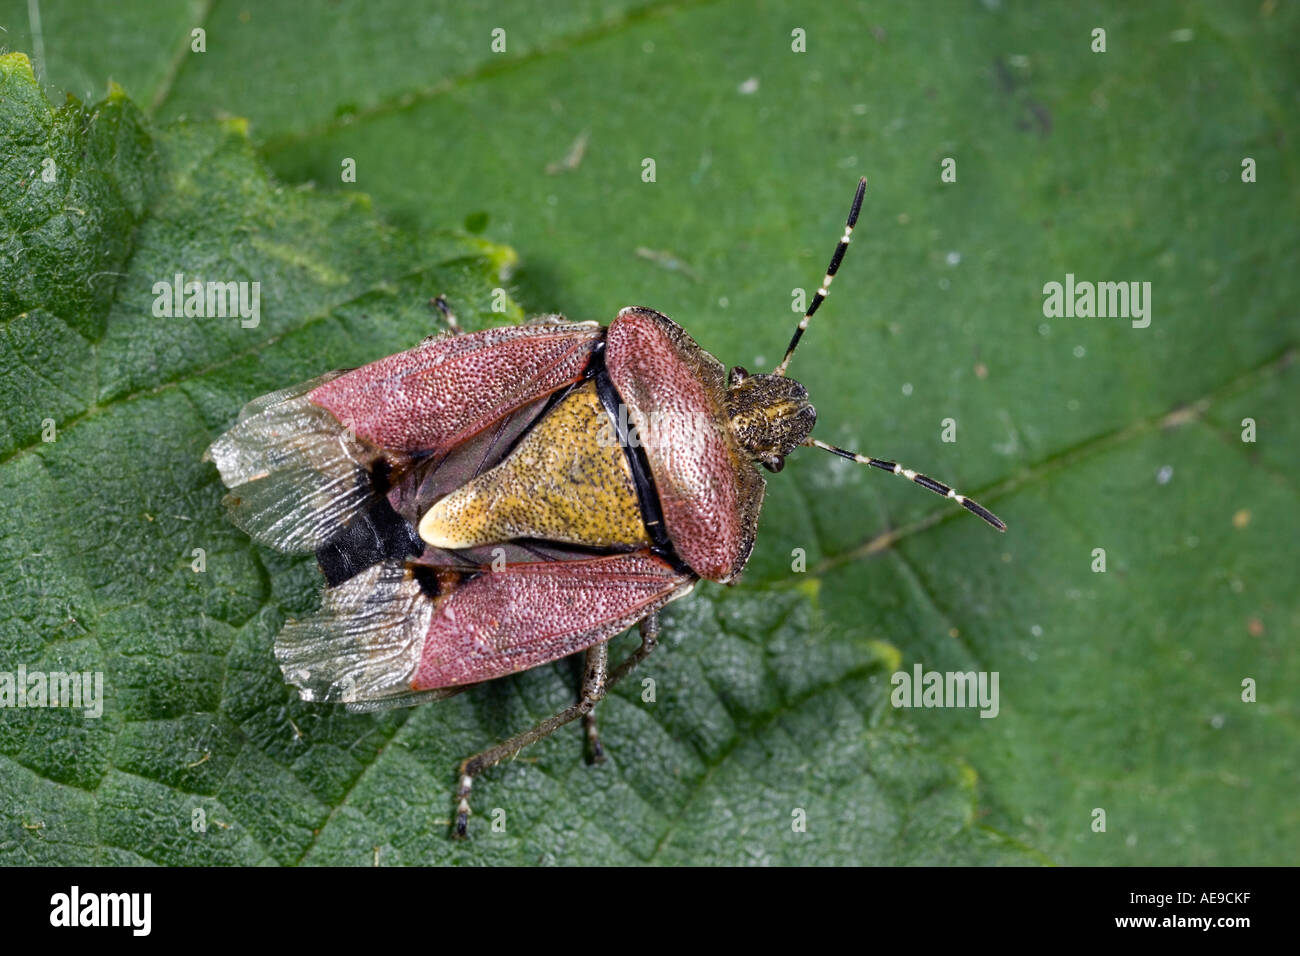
(461, 829)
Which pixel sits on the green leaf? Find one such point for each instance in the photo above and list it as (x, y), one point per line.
(1119, 690)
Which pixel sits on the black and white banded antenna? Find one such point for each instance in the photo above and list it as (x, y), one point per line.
(893, 467)
(833, 268)
(925, 481)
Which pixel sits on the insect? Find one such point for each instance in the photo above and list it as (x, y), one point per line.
(488, 502)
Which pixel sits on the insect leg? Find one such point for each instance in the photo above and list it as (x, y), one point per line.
(475, 765)
(594, 670)
(592, 693)
(449, 316)
(649, 628)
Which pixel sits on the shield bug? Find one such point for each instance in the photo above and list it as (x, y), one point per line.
(490, 501)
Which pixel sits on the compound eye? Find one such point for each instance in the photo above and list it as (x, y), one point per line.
(738, 374)
(773, 463)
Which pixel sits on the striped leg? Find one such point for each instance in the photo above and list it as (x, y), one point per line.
(893, 467)
(834, 267)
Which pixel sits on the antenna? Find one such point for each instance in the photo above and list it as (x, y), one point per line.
(938, 487)
(834, 267)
